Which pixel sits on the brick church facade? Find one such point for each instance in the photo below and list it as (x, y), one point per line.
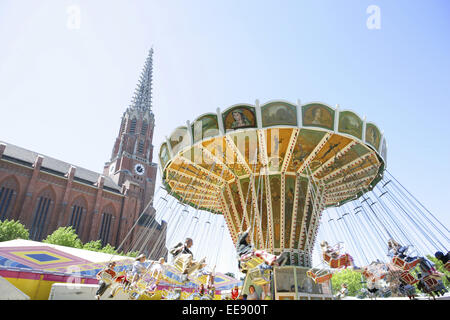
(115, 206)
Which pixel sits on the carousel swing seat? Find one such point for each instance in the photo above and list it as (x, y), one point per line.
(447, 266)
(178, 265)
(137, 290)
(342, 261)
(251, 263)
(375, 276)
(430, 282)
(408, 278)
(259, 277)
(319, 276)
(106, 278)
(405, 265)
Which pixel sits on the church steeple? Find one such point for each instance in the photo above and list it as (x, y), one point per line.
(132, 154)
(142, 98)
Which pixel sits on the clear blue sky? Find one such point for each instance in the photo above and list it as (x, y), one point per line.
(63, 90)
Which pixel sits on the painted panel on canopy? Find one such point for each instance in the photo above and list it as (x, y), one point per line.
(164, 155)
(247, 142)
(192, 181)
(309, 213)
(350, 175)
(350, 123)
(257, 214)
(262, 205)
(235, 163)
(181, 176)
(207, 162)
(354, 178)
(239, 117)
(351, 182)
(179, 139)
(318, 115)
(237, 203)
(199, 199)
(302, 196)
(196, 155)
(277, 143)
(217, 147)
(174, 176)
(238, 169)
(288, 208)
(307, 140)
(248, 200)
(364, 163)
(199, 195)
(195, 175)
(373, 135)
(188, 189)
(341, 160)
(204, 127)
(222, 151)
(228, 202)
(174, 165)
(279, 113)
(275, 191)
(328, 150)
(247, 194)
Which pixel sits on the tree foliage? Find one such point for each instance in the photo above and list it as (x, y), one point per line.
(94, 245)
(351, 278)
(109, 249)
(439, 266)
(11, 230)
(130, 254)
(64, 236)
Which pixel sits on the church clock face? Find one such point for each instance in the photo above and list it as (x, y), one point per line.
(139, 169)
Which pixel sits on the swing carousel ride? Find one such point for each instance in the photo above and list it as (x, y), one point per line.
(280, 170)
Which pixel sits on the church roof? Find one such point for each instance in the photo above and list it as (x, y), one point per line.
(57, 167)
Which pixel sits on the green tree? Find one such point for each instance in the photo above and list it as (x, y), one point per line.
(64, 236)
(109, 249)
(10, 230)
(439, 266)
(133, 254)
(94, 245)
(230, 274)
(351, 278)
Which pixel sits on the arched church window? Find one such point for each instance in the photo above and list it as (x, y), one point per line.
(8, 192)
(141, 146)
(106, 225)
(133, 126)
(42, 213)
(77, 214)
(144, 127)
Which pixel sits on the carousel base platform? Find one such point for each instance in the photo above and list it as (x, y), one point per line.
(287, 283)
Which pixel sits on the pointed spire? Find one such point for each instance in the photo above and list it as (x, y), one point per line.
(142, 98)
